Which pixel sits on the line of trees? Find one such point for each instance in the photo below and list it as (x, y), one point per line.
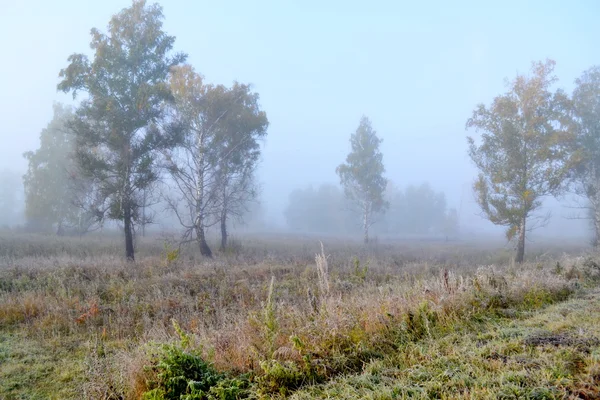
(534, 142)
(146, 121)
(417, 210)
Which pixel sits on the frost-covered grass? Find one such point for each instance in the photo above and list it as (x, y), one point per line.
(269, 319)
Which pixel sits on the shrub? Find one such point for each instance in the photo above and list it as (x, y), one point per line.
(182, 374)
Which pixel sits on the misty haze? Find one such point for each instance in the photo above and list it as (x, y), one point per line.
(299, 199)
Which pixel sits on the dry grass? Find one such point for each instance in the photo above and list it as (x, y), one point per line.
(254, 310)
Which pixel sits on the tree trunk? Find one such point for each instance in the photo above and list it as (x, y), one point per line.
(366, 226)
(201, 239)
(223, 230)
(60, 230)
(128, 229)
(521, 244)
(596, 221)
(144, 215)
(593, 194)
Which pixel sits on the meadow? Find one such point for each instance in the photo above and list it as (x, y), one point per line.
(288, 317)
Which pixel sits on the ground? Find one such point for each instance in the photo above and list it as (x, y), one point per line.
(268, 319)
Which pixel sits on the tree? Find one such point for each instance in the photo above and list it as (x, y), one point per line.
(57, 197)
(451, 224)
(213, 167)
(235, 191)
(524, 151)
(10, 199)
(118, 126)
(418, 210)
(362, 174)
(586, 107)
(242, 127)
(320, 210)
(191, 165)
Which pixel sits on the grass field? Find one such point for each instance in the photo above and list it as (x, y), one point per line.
(281, 317)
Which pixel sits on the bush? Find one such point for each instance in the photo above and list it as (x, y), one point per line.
(182, 374)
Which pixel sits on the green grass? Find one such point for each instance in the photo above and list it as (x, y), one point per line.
(33, 368)
(496, 358)
(396, 321)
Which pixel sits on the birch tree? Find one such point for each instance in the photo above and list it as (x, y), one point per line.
(523, 152)
(241, 130)
(118, 126)
(199, 107)
(213, 168)
(362, 175)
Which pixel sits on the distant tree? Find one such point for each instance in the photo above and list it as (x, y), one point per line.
(320, 210)
(451, 224)
(362, 175)
(235, 191)
(254, 216)
(118, 125)
(418, 210)
(586, 106)
(57, 197)
(10, 198)
(523, 152)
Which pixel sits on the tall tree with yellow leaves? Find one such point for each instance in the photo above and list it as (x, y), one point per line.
(523, 152)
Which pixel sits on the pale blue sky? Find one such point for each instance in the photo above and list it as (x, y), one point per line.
(416, 69)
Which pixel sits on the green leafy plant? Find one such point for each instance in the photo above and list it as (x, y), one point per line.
(182, 374)
(359, 273)
(171, 254)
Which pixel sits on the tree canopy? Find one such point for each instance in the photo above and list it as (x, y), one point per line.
(57, 196)
(119, 125)
(523, 151)
(361, 175)
(213, 167)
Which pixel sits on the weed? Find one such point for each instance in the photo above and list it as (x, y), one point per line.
(180, 373)
(399, 324)
(171, 254)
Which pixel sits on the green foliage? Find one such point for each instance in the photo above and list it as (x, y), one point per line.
(359, 273)
(241, 130)
(538, 297)
(524, 151)
(57, 196)
(117, 128)
(171, 254)
(280, 377)
(182, 374)
(400, 334)
(222, 128)
(419, 323)
(362, 174)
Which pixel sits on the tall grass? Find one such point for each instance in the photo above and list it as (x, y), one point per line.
(254, 311)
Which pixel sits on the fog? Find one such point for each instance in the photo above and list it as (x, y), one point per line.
(416, 70)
